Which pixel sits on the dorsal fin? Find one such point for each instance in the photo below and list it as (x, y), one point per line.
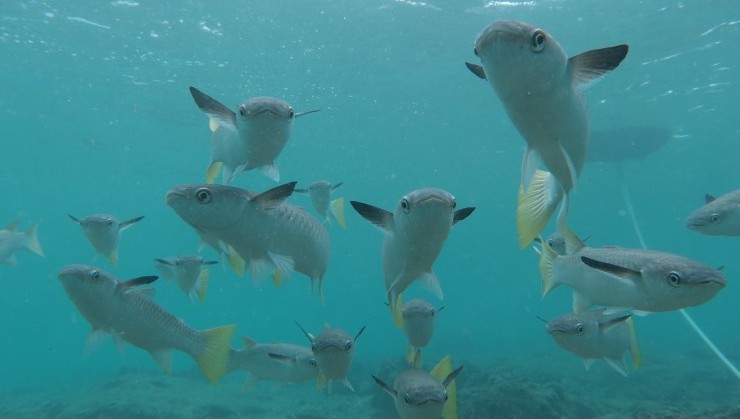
(248, 342)
(572, 242)
(708, 198)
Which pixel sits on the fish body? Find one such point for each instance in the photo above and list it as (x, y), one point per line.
(128, 313)
(251, 137)
(414, 236)
(320, 194)
(264, 230)
(103, 231)
(280, 362)
(542, 92)
(418, 322)
(629, 279)
(12, 240)
(333, 349)
(593, 335)
(718, 216)
(188, 272)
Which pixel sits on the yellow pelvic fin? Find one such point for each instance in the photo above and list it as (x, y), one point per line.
(203, 284)
(440, 373)
(533, 209)
(214, 169)
(634, 350)
(213, 125)
(547, 257)
(320, 380)
(397, 311)
(277, 278)
(214, 358)
(113, 257)
(164, 359)
(235, 261)
(336, 207)
(32, 240)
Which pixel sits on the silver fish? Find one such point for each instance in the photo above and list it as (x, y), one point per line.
(320, 193)
(12, 240)
(250, 138)
(262, 229)
(333, 349)
(422, 395)
(414, 235)
(542, 92)
(281, 362)
(128, 313)
(188, 272)
(718, 217)
(628, 279)
(593, 335)
(418, 322)
(104, 232)
(556, 241)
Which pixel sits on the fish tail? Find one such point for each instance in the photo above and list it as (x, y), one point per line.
(440, 372)
(396, 304)
(536, 205)
(214, 358)
(235, 261)
(32, 240)
(203, 285)
(634, 350)
(548, 255)
(336, 208)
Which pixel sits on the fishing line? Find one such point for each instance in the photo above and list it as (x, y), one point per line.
(684, 313)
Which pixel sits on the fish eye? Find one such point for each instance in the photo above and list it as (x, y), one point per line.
(446, 397)
(538, 40)
(108, 222)
(313, 347)
(405, 204)
(94, 275)
(312, 362)
(348, 346)
(579, 329)
(242, 111)
(203, 195)
(550, 243)
(475, 51)
(407, 399)
(454, 203)
(674, 278)
(715, 218)
(290, 113)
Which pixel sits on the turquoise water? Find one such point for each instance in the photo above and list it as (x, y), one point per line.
(95, 116)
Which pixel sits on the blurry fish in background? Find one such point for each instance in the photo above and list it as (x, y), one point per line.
(414, 235)
(12, 240)
(126, 311)
(718, 216)
(616, 145)
(542, 92)
(593, 335)
(281, 362)
(188, 272)
(638, 280)
(250, 138)
(333, 349)
(419, 318)
(262, 230)
(104, 232)
(419, 394)
(320, 193)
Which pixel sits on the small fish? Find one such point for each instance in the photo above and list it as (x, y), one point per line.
(556, 241)
(542, 92)
(188, 272)
(260, 229)
(333, 349)
(593, 335)
(619, 144)
(418, 323)
(638, 280)
(250, 138)
(425, 395)
(126, 311)
(12, 240)
(414, 235)
(104, 232)
(718, 217)
(280, 362)
(320, 193)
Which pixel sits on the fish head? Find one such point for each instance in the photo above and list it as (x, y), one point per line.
(419, 395)
(264, 109)
(714, 218)
(425, 214)
(102, 230)
(574, 332)
(418, 321)
(306, 365)
(333, 350)
(556, 241)
(86, 283)
(208, 207)
(675, 282)
(514, 53)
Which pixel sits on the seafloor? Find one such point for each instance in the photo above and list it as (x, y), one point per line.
(679, 387)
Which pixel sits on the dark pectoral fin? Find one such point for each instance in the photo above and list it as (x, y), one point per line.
(385, 386)
(477, 70)
(375, 215)
(164, 262)
(136, 282)
(281, 358)
(336, 186)
(613, 320)
(359, 333)
(609, 268)
(213, 108)
(308, 335)
(305, 113)
(73, 218)
(707, 199)
(591, 65)
(300, 190)
(126, 224)
(452, 376)
(274, 197)
(462, 214)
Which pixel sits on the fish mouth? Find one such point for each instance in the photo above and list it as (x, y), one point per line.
(173, 194)
(427, 401)
(552, 330)
(263, 111)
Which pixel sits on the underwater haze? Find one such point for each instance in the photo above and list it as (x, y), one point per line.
(96, 117)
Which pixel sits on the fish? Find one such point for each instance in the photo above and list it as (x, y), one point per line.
(263, 230)
(593, 334)
(320, 193)
(333, 349)
(126, 311)
(419, 394)
(616, 145)
(637, 280)
(282, 362)
(556, 241)
(418, 322)
(542, 92)
(188, 272)
(104, 232)
(251, 137)
(718, 216)
(12, 240)
(414, 235)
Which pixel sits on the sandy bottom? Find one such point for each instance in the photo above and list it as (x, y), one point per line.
(512, 388)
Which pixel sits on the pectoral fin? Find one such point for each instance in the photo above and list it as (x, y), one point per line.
(272, 198)
(707, 199)
(477, 70)
(462, 214)
(611, 269)
(213, 108)
(379, 217)
(126, 224)
(590, 66)
(388, 389)
(136, 282)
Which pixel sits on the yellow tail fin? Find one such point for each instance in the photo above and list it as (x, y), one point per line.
(336, 207)
(214, 169)
(235, 261)
(214, 358)
(534, 208)
(397, 311)
(547, 256)
(277, 278)
(440, 373)
(202, 285)
(32, 240)
(634, 350)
